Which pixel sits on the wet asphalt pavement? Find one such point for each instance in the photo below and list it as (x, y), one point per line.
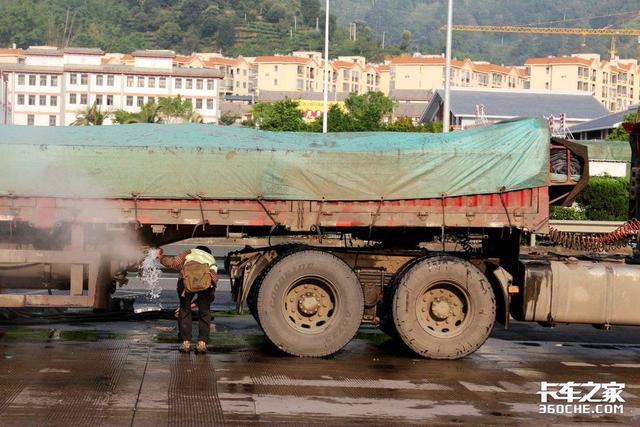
(129, 374)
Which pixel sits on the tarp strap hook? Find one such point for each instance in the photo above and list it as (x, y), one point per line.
(135, 208)
(443, 196)
(375, 218)
(318, 220)
(504, 205)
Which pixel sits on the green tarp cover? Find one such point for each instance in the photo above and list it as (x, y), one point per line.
(601, 149)
(175, 161)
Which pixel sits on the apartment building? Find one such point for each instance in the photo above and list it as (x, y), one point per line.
(428, 73)
(287, 73)
(614, 83)
(52, 85)
(237, 75)
(11, 56)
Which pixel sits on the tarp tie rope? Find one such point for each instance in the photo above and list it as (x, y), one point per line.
(203, 221)
(136, 196)
(443, 196)
(504, 205)
(374, 218)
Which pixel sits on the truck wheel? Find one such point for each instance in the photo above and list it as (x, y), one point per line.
(310, 303)
(443, 308)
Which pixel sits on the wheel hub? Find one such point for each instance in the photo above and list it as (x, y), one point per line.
(442, 309)
(309, 305)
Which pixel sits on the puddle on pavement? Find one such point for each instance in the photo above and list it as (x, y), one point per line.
(45, 334)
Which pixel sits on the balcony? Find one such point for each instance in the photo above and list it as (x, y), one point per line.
(226, 84)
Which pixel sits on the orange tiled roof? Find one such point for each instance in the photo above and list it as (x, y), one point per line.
(12, 52)
(558, 60)
(522, 72)
(411, 60)
(624, 67)
(218, 60)
(383, 67)
(185, 59)
(343, 64)
(282, 59)
(127, 57)
(492, 68)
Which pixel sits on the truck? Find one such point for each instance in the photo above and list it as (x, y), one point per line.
(430, 227)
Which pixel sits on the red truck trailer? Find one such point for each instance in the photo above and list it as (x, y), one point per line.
(76, 206)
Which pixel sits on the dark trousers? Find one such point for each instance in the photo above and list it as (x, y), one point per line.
(205, 298)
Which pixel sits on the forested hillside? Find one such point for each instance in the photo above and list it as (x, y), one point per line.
(252, 27)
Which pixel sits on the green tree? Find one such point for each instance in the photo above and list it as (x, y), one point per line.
(338, 120)
(149, 113)
(311, 11)
(123, 117)
(169, 35)
(279, 116)
(405, 41)
(91, 116)
(369, 110)
(605, 199)
(405, 124)
(178, 110)
(619, 134)
(226, 34)
(567, 213)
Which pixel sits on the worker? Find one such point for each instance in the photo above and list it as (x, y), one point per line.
(198, 277)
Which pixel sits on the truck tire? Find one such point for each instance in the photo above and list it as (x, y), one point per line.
(443, 308)
(310, 303)
(386, 305)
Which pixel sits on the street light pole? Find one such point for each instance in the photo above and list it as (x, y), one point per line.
(447, 72)
(325, 118)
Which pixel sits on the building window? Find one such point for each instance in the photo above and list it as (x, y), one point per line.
(43, 80)
(54, 81)
(83, 99)
(189, 84)
(140, 81)
(129, 81)
(72, 98)
(199, 103)
(110, 80)
(42, 100)
(210, 85)
(151, 100)
(130, 101)
(32, 100)
(20, 99)
(140, 100)
(109, 99)
(546, 85)
(73, 79)
(209, 104)
(99, 80)
(30, 119)
(152, 82)
(53, 101)
(162, 82)
(275, 68)
(84, 78)
(21, 79)
(275, 82)
(98, 99)
(52, 120)
(32, 80)
(199, 85)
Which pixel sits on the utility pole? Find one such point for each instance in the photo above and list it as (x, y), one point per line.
(325, 102)
(295, 22)
(383, 34)
(447, 72)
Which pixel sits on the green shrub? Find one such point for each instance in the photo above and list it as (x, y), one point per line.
(605, 199)
(567, 213)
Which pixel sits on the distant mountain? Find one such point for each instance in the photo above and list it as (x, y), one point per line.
(423, 18)
(255, 27)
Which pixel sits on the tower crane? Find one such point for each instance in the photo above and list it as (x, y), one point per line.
(613, 32)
